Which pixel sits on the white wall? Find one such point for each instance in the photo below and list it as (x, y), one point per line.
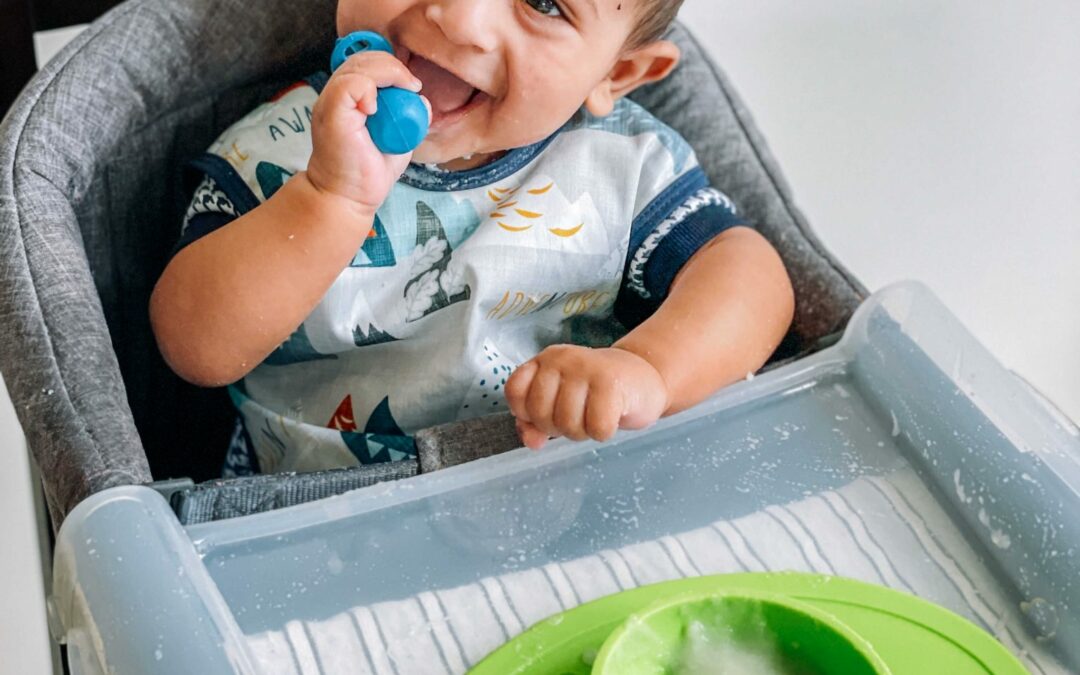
(932, 140)
(24, 637)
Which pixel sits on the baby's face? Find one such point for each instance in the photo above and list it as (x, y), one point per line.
(499, 74)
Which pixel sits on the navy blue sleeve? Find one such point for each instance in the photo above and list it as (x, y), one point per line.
(659, 250)
(200, 225)
(210, 209)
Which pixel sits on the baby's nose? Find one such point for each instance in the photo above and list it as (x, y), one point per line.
(466, 23)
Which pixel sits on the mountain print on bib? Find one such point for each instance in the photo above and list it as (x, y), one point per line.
(436, 281)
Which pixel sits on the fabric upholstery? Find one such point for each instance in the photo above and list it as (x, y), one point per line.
(220, 499)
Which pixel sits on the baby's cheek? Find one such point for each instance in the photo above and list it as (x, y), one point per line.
(546, 95)
(547, 105)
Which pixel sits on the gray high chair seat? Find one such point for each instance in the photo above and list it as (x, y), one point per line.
(92, 192)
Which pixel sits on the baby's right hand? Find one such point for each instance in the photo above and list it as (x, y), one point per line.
(344, 161)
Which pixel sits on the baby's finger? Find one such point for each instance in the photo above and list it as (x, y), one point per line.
(352, 91)
(569, 412)
(533, 438)
(603, 411)
(517, 389)
(541, 400)
(385, 69)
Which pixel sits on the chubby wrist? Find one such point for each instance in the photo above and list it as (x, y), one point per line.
(320, 200)
(643, 353)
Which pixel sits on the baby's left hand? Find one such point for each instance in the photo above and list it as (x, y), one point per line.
(583, 393)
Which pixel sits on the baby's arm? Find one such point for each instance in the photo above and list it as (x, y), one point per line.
(227, 300)
(725, 314)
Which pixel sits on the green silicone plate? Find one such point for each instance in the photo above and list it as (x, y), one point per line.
(912, 636)
(747, 631)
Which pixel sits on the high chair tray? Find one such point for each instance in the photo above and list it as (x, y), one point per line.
(903, 456)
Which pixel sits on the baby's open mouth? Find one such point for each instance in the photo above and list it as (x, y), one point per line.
(451, 97)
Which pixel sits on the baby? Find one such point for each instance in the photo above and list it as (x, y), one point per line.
(550, 249)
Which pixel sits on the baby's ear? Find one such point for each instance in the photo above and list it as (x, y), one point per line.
(650, 63)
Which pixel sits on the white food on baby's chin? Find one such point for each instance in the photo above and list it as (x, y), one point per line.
(710, 652)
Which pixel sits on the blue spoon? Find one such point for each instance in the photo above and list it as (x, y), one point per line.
(401, 123)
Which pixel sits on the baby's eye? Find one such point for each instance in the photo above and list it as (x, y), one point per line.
(545, 7)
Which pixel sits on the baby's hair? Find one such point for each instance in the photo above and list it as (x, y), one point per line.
(655, 16)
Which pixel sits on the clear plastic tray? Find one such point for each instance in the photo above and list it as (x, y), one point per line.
(905, 456)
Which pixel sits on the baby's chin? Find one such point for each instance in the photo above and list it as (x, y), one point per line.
(452, 159)
(461, 154)
(430, 153)
(468, 145)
